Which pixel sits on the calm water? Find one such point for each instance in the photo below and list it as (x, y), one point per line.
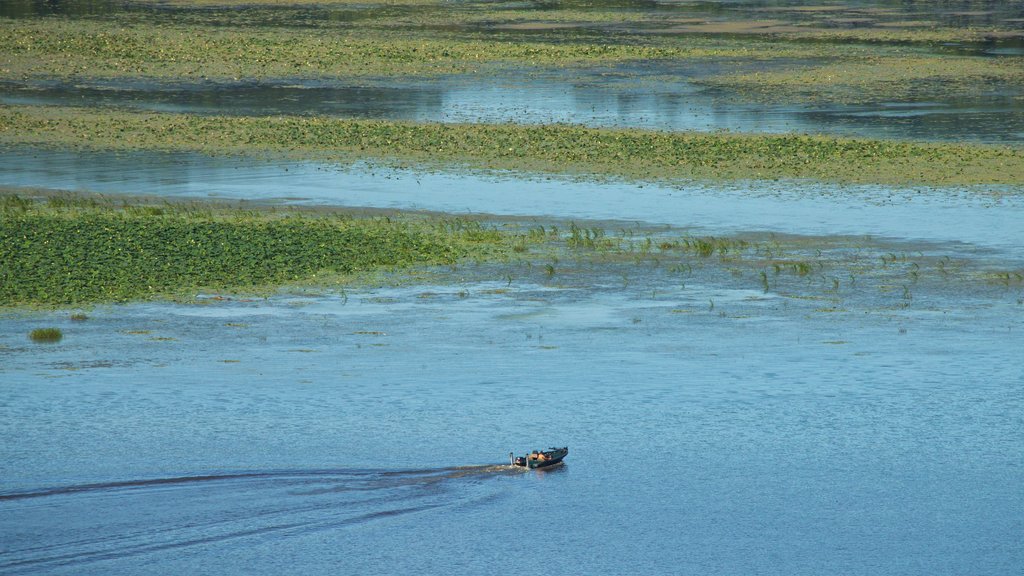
(714, 428)
(366, 432)
(633, 97)
(957, 220)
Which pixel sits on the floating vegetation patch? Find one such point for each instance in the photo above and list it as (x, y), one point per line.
(797, 56)
(46, 335)
(1005, 278)
(43, 48)
(872, 79)
(69, 252)
(75, 250)
(629, 153)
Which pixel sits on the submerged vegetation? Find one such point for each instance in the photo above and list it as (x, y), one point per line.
(628, 153)
(79, 250)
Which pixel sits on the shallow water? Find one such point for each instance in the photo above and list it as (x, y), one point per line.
(958, 219)
(632, 97)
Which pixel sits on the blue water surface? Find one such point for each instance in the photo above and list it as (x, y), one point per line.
(365, 433)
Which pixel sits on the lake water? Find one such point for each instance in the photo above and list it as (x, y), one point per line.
(633, 96)
(714, 427)
(957, 219)
(365, 432)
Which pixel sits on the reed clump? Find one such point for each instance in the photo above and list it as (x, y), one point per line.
(46, 335)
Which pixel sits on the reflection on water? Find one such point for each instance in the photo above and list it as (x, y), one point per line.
(971, 219)
(392, 102)
(596, 98)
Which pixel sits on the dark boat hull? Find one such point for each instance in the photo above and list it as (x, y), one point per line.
(554, 457)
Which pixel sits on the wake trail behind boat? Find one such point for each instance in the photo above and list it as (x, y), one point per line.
(105, 521)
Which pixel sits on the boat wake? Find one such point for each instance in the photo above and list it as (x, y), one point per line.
(70, 526)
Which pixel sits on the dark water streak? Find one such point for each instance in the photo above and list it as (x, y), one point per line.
(281, 503)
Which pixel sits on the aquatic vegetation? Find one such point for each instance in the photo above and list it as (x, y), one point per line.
(628, 153)
(47, 48)
(897, 77)
(810, 57)
(81, 253)
(707, 246)
(80, 250)
(46, 335)
(244, 3)
(591, 238)
(221, 42)
(1006, 278)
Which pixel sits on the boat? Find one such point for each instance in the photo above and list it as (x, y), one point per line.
(539, 458)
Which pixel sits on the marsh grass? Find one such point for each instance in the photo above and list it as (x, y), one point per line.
(589, 238)
(564, 149)
(46, 335)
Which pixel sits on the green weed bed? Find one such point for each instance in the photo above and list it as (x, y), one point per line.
(628, 153)
(49, 48)
(82, 250)
(67, 252)
(342, 40)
